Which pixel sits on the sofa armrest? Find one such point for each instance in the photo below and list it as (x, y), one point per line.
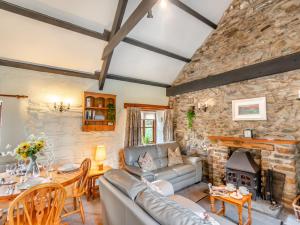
(192, 160)
(139, 172)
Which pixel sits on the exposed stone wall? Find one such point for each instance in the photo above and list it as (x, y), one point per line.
(249, 32)
(281, 92)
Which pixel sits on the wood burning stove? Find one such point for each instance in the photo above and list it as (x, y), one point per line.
(241, 170)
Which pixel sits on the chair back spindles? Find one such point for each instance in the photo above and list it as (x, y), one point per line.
(79, 190)
(82, 182)
(40, 205)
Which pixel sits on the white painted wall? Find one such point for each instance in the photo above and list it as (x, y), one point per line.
(64, 129)
(15, 114)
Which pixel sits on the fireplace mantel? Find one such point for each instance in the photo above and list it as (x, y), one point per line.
(254, 143)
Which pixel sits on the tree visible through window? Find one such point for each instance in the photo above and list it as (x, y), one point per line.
(148, 127)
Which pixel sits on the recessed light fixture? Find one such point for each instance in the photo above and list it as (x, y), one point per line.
(163, 3)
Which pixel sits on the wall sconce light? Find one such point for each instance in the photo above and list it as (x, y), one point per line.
(203, 107)
(61, 107)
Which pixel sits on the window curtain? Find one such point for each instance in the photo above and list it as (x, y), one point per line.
(168, 126)
(133, 127)
(0, 112)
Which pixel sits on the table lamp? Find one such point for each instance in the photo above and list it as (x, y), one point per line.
(100, 156)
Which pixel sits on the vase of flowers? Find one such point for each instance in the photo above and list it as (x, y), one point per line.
(29, 150)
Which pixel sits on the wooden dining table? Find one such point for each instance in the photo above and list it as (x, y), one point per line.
(65, 179)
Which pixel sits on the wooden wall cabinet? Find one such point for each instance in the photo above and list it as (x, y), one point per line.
(99, 112)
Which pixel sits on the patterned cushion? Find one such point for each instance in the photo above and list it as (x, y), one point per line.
(174, 157)
(146, 162)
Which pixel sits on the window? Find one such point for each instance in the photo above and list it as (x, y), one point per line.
(148, 127)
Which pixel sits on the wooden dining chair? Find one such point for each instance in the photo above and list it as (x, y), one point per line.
(78, 191)
(40, 205)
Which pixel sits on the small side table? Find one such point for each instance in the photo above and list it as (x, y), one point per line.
(92, 188)
(239, 203)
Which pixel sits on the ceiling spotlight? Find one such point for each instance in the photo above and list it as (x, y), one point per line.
(163, 3)
(149, 14)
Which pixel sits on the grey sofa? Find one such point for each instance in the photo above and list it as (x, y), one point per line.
(180, 176)
(119, 208)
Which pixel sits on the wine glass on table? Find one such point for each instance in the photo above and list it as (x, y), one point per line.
(21, 167)
(46, 167)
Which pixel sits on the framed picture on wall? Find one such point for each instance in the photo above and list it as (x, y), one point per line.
(249, 109)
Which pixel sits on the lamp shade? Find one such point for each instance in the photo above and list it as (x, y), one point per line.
(100, 153)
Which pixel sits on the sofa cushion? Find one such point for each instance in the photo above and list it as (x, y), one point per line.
(146, 162)
(183, 178)
(197, 209)
(166, 211)
(174, 156)
(164, 173)
(125, 182)
(162, 150)
(183, 169)
(132, 154)
(187, 203)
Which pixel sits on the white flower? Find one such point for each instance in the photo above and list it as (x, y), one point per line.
(31, 138)
(10, 153)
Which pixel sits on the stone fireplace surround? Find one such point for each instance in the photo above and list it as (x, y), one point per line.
(279, 155)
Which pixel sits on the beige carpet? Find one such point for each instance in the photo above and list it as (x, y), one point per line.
(195, 192)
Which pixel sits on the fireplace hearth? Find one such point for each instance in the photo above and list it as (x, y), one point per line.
(278, 155)
(242, 170)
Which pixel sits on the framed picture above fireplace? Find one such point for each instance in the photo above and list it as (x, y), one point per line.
(249, 109)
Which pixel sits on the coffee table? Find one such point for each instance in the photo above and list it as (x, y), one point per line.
(239, 203)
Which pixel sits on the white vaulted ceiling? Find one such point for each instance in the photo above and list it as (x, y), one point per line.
(171, 29)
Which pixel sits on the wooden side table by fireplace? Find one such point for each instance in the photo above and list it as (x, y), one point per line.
(239, 203)
(92, 188)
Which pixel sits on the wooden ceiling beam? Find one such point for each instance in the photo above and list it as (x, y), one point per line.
(192, 12)
(51, 20)
(45, 68)
(73, 73)
(133, 19)
(270, 67)
(81, 30)
(155, 49)
(115, 27)
(138, 81)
